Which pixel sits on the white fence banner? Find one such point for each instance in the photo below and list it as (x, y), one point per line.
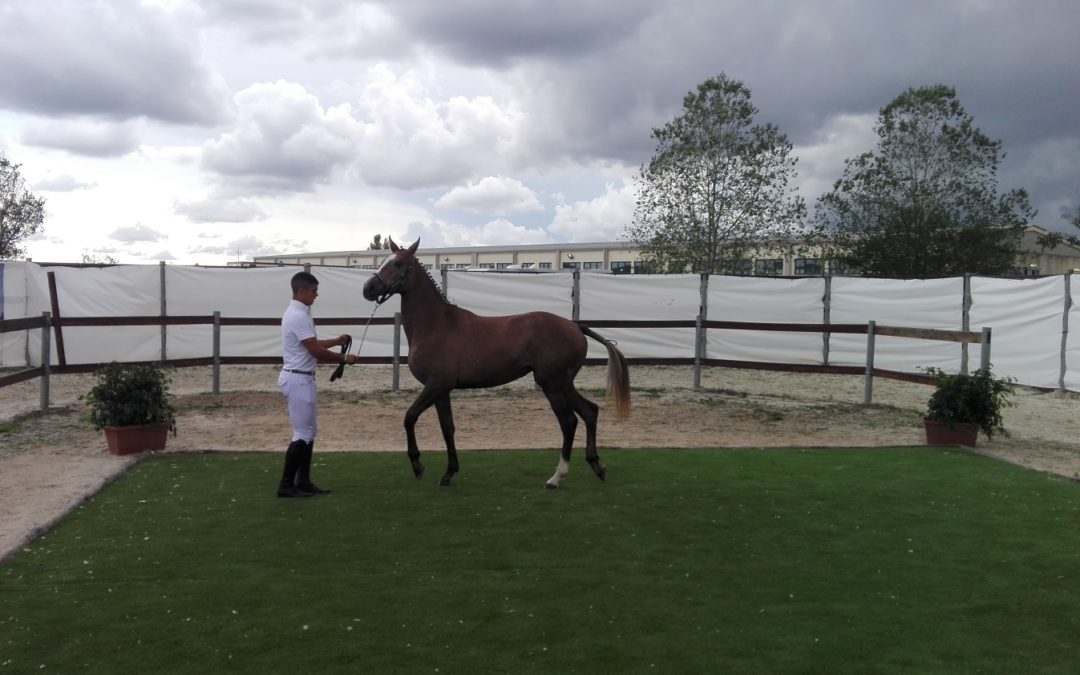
(1026, 316)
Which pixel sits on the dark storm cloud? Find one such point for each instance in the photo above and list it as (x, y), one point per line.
(1013, 64)
(496, 33)
(115, 60)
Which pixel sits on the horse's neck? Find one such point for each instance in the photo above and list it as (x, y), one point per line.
(422, 302)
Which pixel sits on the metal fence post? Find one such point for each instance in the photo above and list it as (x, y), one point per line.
(984, 342)
(46, 358)
(698, 330)
(700, 339)
(575, 311)
(868, 380)
(826, 337)
(965, 323)
(164, 314)
(217, 353)
(1065, 331)
(397, 352)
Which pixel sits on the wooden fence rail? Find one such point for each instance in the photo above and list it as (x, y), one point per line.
(700, 359)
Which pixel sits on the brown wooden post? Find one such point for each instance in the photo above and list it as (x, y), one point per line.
(55, 302)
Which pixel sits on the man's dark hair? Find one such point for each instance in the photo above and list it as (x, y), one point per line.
(303, 280)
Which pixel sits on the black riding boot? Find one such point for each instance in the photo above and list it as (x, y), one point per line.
(303, 477)
(293, 458)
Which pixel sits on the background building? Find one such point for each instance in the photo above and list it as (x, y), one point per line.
(623, 258)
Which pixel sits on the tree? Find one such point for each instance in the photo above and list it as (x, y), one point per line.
(379, 244)
(1052, 240)
(98, 259)
(717, 187)
(21, 213)
(926, 203)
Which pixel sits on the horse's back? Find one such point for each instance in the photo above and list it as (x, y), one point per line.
(484, 351)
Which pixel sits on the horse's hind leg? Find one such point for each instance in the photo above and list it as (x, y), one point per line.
(446, 423)
(568, 423)
(589, 412)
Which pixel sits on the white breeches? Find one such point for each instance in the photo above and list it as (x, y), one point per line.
(299, 393)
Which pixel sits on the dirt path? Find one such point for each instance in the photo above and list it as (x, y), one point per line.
(51, 462)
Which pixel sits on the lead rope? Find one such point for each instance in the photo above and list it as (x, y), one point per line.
(348, 345)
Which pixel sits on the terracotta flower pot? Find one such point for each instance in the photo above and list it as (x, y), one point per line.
(133, 439)
(960, 433)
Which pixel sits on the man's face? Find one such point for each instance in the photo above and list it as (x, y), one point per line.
(307, 295)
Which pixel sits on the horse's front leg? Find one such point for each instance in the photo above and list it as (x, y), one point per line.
(427, 397)
(446, 423)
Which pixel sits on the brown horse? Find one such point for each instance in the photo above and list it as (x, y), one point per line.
(452, 348)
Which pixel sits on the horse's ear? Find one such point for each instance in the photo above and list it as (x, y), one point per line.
(412, 249)
(393, 247)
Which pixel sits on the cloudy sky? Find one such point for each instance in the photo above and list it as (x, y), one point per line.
(207, 131)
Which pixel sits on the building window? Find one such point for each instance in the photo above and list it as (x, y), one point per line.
(806, 267)
(501, 266)
(544, 265)
(461, 266)
(571, 265)
(593, 265)
(769, 267)
(620, 267)
(526, 266)
(642, 267)
(486, 266)
(739, 266)
(842, 269)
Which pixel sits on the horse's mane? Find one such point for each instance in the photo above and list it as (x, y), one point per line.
(438, 288)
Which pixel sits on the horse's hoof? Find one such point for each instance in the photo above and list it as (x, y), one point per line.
(418, 471)
(444, 482)
(601, 473)
(551, 486)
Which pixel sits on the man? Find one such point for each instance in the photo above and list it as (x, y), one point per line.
(301, 349)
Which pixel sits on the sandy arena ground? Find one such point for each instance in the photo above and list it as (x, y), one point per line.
(51, 462)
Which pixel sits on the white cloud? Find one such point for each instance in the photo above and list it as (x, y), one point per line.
(64, 183)
(284, 140)
(134, 233)
(602, 219)
(220, 210)
(492, 195)
(84, 136)
(410, 141)
(437, 233)
(821, 161)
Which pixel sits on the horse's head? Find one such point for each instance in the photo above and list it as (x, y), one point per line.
(393, 274)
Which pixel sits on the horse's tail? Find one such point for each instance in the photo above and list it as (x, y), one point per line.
(618, 374)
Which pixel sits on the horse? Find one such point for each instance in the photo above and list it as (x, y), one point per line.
(453, 348)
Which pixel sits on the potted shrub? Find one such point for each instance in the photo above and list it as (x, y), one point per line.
(131, 404)
(964, 404)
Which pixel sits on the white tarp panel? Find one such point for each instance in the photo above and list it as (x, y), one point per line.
(914, 303)
(1025, 316)
(503, 293)
(1072, 349)
(104, 292)
(13, 305)
(765, 300)
(675, 297)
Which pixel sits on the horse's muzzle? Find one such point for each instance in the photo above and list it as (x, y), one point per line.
(374, 288)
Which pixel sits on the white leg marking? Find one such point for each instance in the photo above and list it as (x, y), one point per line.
(560, 472)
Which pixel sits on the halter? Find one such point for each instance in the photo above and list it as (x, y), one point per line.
(394, 288)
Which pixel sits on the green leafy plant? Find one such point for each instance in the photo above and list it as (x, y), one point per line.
(128, 395)
(977, 398)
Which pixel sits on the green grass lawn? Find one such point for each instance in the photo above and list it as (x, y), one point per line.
(910, 560)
